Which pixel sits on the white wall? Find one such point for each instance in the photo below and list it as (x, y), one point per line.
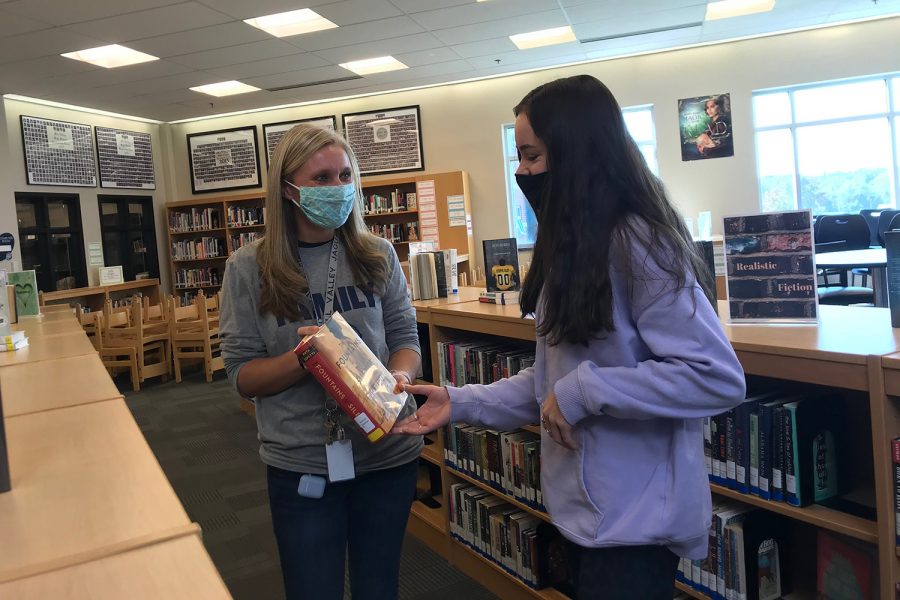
(13, 178)
(461, 123)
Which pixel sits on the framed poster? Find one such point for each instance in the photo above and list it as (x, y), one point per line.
(273, 132)
(58, 153)
(770, 271)
(226, 159)
(705, 124)
(111, 275)
(386, 141)
(125, 159)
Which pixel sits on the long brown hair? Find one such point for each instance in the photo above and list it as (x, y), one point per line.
(284, 285)
(598, 181)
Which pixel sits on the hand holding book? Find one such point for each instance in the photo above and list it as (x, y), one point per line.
(431, 415)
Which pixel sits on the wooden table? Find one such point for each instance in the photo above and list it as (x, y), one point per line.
(49, 308)
(874, 259)
(49, 348)
(36, 326)
(29, 388)
(95, 296)
(176, 569)
(55, 316)
(466, 294)
(85, 485)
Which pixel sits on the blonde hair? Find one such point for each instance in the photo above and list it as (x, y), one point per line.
(284, 285)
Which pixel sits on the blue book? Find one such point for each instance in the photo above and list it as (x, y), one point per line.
(766, 444)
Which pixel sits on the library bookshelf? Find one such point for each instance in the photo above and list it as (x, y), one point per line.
(851, 352)
(203, 233)
(434, 193)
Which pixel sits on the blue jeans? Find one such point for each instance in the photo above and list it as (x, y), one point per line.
(623, 573)
(364, 518)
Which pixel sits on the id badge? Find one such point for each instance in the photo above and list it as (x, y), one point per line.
(339, 456)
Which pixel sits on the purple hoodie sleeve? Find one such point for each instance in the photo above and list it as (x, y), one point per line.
(505, 404)
(693, 371)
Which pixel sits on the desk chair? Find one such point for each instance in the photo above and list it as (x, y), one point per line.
(853, 231)
(884, 223)
(871, 215)
(842, 294)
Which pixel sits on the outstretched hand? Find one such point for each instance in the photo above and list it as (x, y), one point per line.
(431, 415)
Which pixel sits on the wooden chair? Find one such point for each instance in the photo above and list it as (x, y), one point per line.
(115, 351)
(124, 328)
(89, 323)
(194, 335)
(155, 314)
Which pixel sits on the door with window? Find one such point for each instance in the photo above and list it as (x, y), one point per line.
(129, 235)
(51, 239)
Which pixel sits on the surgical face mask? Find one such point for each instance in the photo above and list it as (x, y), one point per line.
(532, 187)
(327, 206)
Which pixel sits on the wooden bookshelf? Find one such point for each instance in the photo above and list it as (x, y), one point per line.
(853, 350)
(691, 591)
(488, 488)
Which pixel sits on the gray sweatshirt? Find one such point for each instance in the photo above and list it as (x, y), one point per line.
(291, 423)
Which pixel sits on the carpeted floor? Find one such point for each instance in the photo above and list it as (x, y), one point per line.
(208, 450)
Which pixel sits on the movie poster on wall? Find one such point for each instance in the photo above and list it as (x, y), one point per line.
(770, 267)
(386, 141)
(705, 127)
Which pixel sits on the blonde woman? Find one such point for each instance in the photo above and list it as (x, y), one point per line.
(332, 493)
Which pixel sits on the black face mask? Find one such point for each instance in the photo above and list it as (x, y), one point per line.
(532, 187)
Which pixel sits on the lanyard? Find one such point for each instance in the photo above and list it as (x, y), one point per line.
(329, 286)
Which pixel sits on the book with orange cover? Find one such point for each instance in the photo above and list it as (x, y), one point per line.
(351, 374)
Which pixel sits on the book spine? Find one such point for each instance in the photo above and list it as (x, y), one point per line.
(791, 486)
(895, 454)
(777, 455)
(754, 454)
(340, 391)
(765, 451)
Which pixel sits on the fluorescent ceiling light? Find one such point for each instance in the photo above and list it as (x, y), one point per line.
(225, 88)
(374, 65)
(544, 37)
(726, 9)
(292, 22)
(110, 56)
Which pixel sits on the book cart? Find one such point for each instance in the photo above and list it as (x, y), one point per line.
(852, 353)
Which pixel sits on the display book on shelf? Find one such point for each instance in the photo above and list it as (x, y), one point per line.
(839, 359)
(203, 232)
(404, 209)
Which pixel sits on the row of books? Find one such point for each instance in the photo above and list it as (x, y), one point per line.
(205, 247)
(509, 462)
(13, 340)
(240, 216)
(242, 239)
(519, 542)
(433, 274)
(397, 201)
(396, 232)
(195, 219)
(780, 447)
(205, 276)
(745, 558)
(478, 362)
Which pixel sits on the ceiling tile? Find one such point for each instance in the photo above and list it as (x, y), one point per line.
(270, 66)
(151, 23)
(356, 34)
(518, 57)
(75, 11)
(627, 25)
(416, 6)
(98, 78)
(198, 40)
(235, 55)
(47, 66)
(47, 42)
(483, 12)
(484, 31)
(452, 67)
(300, 77)
(161, 85)
(391, 46)
(241, 9)
(485, 47)
(427, 57)
(13, 24)
(350, 12)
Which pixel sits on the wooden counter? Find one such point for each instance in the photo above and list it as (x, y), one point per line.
(95, 296)
(466, 294)
(37, 326)
(29, 387)
(85, 485)
(49, 348)
(176, 569)
(493, 319)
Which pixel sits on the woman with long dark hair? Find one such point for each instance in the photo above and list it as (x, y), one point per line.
(630, 353)
(333, 494)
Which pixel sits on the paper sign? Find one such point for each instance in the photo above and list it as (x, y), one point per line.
(111, 275)
(456, 210)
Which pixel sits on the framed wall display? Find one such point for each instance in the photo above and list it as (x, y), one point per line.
(705, 127)
(386, 141)
(227, 159)
(273, 132)
(125, 159)
(58, 153)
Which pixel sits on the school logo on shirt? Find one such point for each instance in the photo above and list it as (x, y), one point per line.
(346, 299)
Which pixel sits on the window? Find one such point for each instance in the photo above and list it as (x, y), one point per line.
(51, 239)
(129, 235)
(832, 148)
(522, 223)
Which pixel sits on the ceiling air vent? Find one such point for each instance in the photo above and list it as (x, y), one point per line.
(312, 83)
(617, 36)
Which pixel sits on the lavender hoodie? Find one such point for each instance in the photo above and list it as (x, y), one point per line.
(636, 397)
